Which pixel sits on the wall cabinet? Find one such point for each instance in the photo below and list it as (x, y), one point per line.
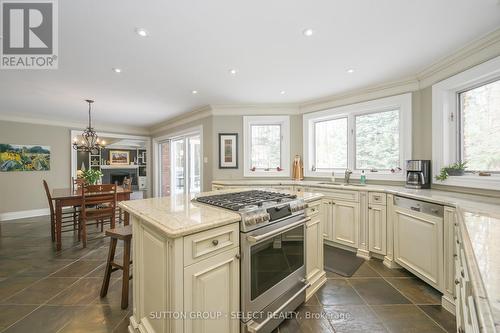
(377, 228)
(341, 222)
(212, 286)
(418, 244)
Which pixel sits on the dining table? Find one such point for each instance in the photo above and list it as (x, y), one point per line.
(69, 197)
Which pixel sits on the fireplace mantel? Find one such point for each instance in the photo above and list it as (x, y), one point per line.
(119, 166)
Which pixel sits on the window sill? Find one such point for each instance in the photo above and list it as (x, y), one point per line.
(280, 174)
(356, 175)
(474, 181)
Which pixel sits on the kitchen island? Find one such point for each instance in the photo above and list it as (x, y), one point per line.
(186, 263)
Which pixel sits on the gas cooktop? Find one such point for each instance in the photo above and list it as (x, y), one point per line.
(239, 200)
(256, 207)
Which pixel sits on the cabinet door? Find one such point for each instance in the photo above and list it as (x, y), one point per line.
(327, 212)
(345, 223)
(418, 244)
(377, 229)
(314, 247)
(212, 286)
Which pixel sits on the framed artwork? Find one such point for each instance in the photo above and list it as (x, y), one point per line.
(24, 158)
(119, 157)
(228, 150)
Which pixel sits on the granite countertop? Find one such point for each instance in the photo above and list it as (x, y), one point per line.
(178, 215)
(479, 218)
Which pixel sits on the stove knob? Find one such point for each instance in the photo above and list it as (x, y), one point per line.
(250, 220)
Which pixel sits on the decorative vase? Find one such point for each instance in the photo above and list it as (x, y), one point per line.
(455, 172)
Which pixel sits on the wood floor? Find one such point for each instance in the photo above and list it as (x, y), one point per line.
(45, 291)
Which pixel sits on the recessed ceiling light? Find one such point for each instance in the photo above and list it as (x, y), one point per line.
(142, 32)
(233, 71)
(282, 92)
(350, 71)
(194, 92)
(308, 32)
(117, 70)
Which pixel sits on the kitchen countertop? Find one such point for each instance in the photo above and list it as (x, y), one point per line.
(479, 217)
(178, 216)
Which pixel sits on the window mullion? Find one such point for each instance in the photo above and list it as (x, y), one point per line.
(351, 141)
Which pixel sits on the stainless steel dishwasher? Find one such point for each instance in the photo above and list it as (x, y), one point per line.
(418, 239)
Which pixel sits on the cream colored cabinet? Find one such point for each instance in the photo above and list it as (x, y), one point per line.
(418, 244)
(377, 228)
(341, 220)
(314, 248)
(211, 286)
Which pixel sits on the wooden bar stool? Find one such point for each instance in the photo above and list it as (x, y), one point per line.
(125, 234)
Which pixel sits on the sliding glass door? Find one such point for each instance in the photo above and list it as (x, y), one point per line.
(180, 165)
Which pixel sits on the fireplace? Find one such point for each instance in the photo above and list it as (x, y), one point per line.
(120, 176)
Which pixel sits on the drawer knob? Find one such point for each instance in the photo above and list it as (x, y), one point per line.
(369, 207)
(215, 242)
(457, 281)
(455, 255)
(237, 256)
(462, 273)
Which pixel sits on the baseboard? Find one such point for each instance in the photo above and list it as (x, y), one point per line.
(390, 263)
(448, 303)
(24, 214)
(363, 254)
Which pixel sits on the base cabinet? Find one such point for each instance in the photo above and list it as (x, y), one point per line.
(211, 286)
(341, 222)
(377, 229)
(418, 244)
(315, 273)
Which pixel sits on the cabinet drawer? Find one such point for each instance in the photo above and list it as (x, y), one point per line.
(344, 195)
(313, 208)
(376, 198)
(208, 243)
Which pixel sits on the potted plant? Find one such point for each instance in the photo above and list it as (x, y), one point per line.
(91, 176)
(455, 169)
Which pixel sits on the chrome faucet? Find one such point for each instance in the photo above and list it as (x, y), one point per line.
(347, 176)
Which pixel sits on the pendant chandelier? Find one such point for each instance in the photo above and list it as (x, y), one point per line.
(89, 142)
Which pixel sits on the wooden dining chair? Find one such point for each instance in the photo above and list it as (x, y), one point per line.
(98, 205)
(126, 185)
(68, 217)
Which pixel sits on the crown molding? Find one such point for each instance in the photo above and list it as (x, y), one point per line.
(254, 109)
(76, 125)
(361, 95)
(472, 54)
(170, 123)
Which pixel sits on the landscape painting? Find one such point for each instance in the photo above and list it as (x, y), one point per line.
(24, 158)
(119, 157)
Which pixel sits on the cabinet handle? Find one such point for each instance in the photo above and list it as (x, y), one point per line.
(458, 242)
(456, 281)
(462, 273)
(237, 256)
(369, 207)
(455, 255)
(215, 242)
(333, 203)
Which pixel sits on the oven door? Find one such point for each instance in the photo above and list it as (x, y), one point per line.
(273, 262)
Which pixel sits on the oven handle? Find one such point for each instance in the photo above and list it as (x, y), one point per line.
(256, 239)
(256, 328)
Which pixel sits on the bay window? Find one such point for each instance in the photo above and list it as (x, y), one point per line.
(466, 126)
(374, 136)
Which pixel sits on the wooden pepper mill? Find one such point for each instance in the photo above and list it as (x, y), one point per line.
(297, 168)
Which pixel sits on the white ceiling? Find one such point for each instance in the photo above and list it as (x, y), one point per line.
(194, 43)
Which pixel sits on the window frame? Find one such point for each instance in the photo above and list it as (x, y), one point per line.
(403, 103)
(284, 122)
(446, 123)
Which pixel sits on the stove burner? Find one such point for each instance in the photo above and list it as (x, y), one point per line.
(239, 200)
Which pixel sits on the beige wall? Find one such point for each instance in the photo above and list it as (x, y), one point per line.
(23, 190)
(234, 124)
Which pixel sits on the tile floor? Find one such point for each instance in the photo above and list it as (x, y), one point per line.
(45, 291)
(42, 290)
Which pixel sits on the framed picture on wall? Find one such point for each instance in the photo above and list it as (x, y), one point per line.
(119, 157)
(228, 150)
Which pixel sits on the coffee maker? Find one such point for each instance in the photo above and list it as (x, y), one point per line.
(418, 174)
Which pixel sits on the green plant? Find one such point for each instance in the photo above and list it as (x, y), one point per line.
(91, 176)
(445, 171)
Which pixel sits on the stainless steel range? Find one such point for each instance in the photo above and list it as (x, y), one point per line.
(272, 240)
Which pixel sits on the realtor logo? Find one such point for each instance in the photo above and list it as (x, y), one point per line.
(29, 31)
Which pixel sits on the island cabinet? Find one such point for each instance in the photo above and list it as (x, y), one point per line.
(315, 273)
(341, 217)
(188, 284)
